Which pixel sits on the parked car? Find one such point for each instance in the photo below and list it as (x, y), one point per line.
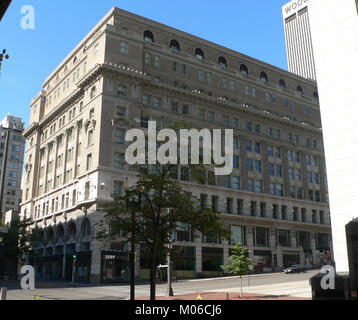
(295, 269)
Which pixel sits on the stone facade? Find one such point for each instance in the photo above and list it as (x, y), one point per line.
(12, 147)
(129, 70)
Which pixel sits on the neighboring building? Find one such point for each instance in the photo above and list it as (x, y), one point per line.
(296, 20)
(12, 146)
(4, 5)
(3, 266)
(11, 216)
(334, 26)
(129, 70)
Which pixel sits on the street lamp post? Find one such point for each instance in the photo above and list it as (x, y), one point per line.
(169, 289)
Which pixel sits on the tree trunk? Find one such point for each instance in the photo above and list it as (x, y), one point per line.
(152, 277)
(241, 295)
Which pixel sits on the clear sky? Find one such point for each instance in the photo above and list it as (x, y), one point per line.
(252, 27)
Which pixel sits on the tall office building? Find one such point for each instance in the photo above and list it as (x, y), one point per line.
(129, 70)
(12, 146)
(296, 19)
(334, 26)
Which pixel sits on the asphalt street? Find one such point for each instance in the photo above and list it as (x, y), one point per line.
(296, 285)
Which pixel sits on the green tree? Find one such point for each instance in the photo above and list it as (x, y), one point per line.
(239, 263)
(151, 210)
(19, 239)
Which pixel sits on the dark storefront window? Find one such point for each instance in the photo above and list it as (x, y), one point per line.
(115, 267)
(290, 259)
(303, 240)
(283, 237)
(184, 262)
(262, 260)
(261, 237)
(212, 259)
(322, 241)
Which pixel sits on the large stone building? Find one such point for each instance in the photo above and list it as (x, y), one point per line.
(129, 70)
(296, 20)
(12, 145)
(339, 102)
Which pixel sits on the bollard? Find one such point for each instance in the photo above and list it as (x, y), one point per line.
(3, 293)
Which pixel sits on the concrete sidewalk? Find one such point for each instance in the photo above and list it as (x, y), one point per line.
(217, 296)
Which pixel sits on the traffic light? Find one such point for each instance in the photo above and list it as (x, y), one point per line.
(74, 256)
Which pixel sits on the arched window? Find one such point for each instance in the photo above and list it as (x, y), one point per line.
(244, 70)
(71, 231)
(282, 83)
(315, 96)
(93, 92)
(175, 45)
(60, 233)
(86, 228)
(299, 90)
(263, 77)
(50, 234)
(199, 54)
(148, 36)
(222, 61)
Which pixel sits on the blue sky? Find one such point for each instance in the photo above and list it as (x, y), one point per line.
(253, 27)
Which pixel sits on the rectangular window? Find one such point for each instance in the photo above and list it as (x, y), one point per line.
(121, 111)
(271, 169)
(236, 183)
(237, 235)
(157, 102)
(186, 109)
(175, 106)
(232, 85)
(261, 237)
(122, 91)
(235, 123)
(201, 75)
(120, 135)
(157, 61)
(224, 83)
(89, 162)
(258, 186)
(147, 58)
(257, 147)
(119, 160)
(258, 166)
(279, 190)
(117, 188)
(211, 116)
(124, 47)
(278, 170)
(249, 145)
(250, 184)
(250, 165)
(147, 100)
(247, 90)
(236, 162)
(90, 138)
(236, 142)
